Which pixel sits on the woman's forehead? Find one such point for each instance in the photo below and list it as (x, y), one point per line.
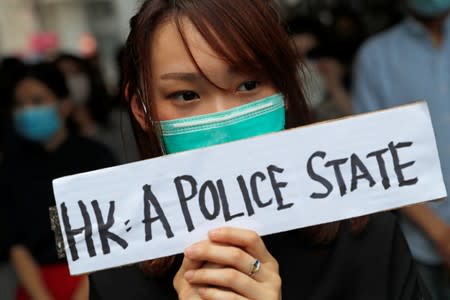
(169, 53)
(30, 85)
(29, 88)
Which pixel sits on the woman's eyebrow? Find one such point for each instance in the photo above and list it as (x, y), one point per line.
(193, 76)
(184, 76)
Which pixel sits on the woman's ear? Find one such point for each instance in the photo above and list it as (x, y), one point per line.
(139, 112)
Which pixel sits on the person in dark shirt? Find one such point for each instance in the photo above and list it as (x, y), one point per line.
(373, 265)
(206, 72)
(43, 150)
(10, 68)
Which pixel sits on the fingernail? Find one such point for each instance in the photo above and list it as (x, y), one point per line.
(189, 275)
(215, 233)
(191, 251)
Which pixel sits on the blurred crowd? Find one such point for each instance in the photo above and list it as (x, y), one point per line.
(59, 117)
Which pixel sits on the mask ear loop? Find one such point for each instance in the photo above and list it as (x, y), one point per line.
(155, 125)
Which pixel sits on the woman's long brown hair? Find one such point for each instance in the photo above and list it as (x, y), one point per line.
(249, 36)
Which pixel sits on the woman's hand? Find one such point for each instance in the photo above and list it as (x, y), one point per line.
(236, 251)
(186, 290)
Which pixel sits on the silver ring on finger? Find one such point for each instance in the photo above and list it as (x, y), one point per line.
(255, 268)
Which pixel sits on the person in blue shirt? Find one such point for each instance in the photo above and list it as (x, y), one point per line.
(411, 61)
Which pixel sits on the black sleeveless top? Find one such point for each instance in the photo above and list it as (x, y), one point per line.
(374, 265)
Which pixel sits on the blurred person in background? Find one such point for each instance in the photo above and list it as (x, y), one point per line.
(408, 62)
(322, 74)
(44, 150)
(306, 34)
(10, 69)
(344, 36)
(90, 98)
(121, 137)
(96, 115)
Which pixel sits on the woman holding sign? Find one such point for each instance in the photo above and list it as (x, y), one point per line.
(206, 72)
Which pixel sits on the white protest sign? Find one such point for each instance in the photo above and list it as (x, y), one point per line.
(277, 182)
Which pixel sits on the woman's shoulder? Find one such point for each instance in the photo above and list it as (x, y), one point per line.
(373, 264)
(381, 222)
(379, 229)
(379, 238)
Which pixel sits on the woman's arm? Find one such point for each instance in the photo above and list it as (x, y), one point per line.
(434, 227)
(28, 273)
(82, 292)
(236, 250)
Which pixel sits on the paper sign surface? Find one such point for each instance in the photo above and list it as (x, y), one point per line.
(273, 183)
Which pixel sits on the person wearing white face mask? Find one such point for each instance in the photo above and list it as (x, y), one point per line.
(408, 62)
(88, 93)
(79, 87)
(94, 114)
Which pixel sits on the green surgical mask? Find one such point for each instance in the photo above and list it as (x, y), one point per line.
(248, 120)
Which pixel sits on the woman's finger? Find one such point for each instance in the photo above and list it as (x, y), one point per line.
(231, 279)
(189, 264)
(227, 278)
(181, 285)
(210, 293)
(224, 255)
(248, 240)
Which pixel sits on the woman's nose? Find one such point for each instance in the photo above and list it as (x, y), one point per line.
(223, 102)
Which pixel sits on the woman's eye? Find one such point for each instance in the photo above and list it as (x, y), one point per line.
(249, 85)
(185, 96)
